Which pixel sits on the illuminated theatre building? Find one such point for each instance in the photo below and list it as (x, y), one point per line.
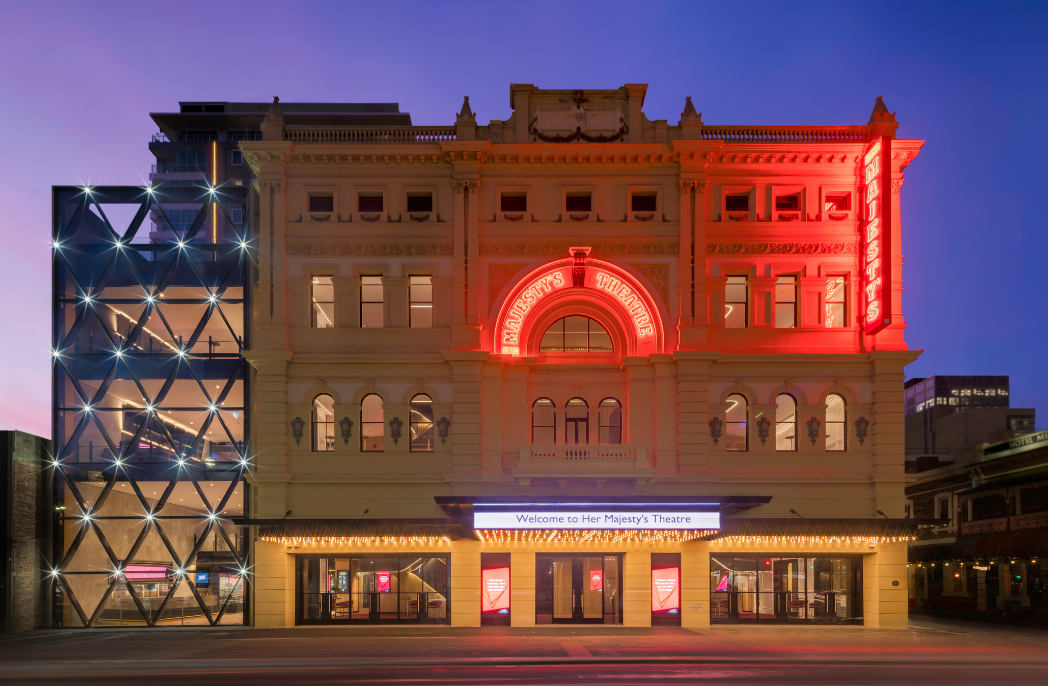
(576, 366)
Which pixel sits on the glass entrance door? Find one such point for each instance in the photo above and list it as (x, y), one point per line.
(578, 589)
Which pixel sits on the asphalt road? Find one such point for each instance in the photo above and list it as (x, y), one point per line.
(929, 652)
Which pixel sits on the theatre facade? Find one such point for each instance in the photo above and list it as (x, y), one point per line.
(575, 366)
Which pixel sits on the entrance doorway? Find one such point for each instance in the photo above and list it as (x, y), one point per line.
(578, 589)
(774, 589)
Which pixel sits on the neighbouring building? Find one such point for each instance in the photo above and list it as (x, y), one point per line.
(573, 366)
(24, 517)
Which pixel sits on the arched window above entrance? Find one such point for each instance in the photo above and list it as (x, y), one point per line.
(576, 334)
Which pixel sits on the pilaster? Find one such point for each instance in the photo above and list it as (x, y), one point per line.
(665, 443)
(693, 377)
(466, 376)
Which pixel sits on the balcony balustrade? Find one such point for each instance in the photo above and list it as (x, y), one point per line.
(583, 460)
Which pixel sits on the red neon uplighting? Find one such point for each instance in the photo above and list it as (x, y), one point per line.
(665, 589)
(876, 237)
(494, 585)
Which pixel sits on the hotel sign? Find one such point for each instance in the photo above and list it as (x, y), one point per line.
(876, 291)
(597, 517)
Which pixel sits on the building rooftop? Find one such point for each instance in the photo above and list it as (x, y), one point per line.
(197, 115)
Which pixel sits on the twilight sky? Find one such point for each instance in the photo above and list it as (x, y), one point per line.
(77, 81)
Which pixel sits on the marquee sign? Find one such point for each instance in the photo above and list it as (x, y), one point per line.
(875, 313)
(634, 517)
(596, 277)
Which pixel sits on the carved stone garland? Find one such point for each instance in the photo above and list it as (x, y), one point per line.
(297, 429)
(345, 425)
(715, 429)
(394, 429)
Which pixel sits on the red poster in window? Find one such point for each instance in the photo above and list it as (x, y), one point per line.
(597, 580)
(494, 589)
(383, 582)
(665, 589)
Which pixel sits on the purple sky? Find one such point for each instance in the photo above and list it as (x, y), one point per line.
(77, 81)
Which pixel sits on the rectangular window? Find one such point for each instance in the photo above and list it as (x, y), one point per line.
(735, 303)
(578, 201)
(788, 203)
(514, 202)
(837, 202)
(786, 302)
(419, 202)
(421, 297)
(834, 302)
(371, 316)
(323, 303)
(236, 158)
(188, 161)
(321, 203)
(643, 202)
(739, 202)
(236, 216)
(943, 508)
(369, 203)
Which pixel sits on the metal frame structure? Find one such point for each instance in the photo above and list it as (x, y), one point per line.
(116, 326)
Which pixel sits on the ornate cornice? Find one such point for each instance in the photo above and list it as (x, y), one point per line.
(782, 248)
(412, 249)
(266, 186)
(696, 186)
(504, 249)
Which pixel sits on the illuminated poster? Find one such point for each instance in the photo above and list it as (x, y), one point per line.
(383, 582)
(494, 584)
(876, 258)
(597, 580)
(665, 589)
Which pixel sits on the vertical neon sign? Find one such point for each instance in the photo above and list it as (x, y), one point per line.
(875, 313)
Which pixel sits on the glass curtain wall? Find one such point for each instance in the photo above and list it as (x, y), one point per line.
(372, 590)
(149, 417)
(785, 589)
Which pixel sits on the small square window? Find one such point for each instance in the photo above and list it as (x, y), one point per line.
(788, 203)
(321, 203)
(236, 158)
(236, 217)
(837, 202)
(643, 202)
(514, 202)
(579, 202)
(737, 203)
(419, 202)
(369, 203)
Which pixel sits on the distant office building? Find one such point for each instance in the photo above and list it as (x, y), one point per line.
(948, 417)
(955, 393)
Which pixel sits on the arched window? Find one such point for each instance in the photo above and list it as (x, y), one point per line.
(576, 422)
(543, 422)
(737, 420)
(371, 423)
(785, 422)
(576, 334)
(835, 422)
(421, 424)
(323, 424)
(609, 428)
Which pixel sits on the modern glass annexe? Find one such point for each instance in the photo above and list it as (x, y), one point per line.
(151, 290)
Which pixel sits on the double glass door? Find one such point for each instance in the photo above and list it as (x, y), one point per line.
(578, 589)
(765, 588)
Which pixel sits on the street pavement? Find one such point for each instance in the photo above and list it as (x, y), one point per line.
(930, 652)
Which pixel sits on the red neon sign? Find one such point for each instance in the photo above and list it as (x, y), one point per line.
(494, 585)
(876, 237)
(628, 297)
(665, 589)
(383, 582)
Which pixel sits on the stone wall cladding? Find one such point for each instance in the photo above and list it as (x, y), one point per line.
(26, 455)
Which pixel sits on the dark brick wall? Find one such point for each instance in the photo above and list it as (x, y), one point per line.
(25, 523)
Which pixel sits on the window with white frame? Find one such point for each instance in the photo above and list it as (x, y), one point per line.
(371, 299)
(735, 302)
(420, 295)
(786, 302)
(834, 302)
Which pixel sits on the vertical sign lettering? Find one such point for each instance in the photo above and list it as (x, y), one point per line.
(875, 313)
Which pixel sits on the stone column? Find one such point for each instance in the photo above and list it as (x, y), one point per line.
(516, 415)
(687, 188)
(693, 432)
(466, 381)
(811, 294)
(887, 431)
(665, 445)
(762, 301)
(636, 588)
(491, 426)
(695, 585)
(473, 253)
(347, 303)
(272, 432)
(459, 260)
(464, 583)
(395, 297)
(522, 589)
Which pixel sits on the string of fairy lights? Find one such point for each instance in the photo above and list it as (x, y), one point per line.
(503, 536)
(358, 541)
